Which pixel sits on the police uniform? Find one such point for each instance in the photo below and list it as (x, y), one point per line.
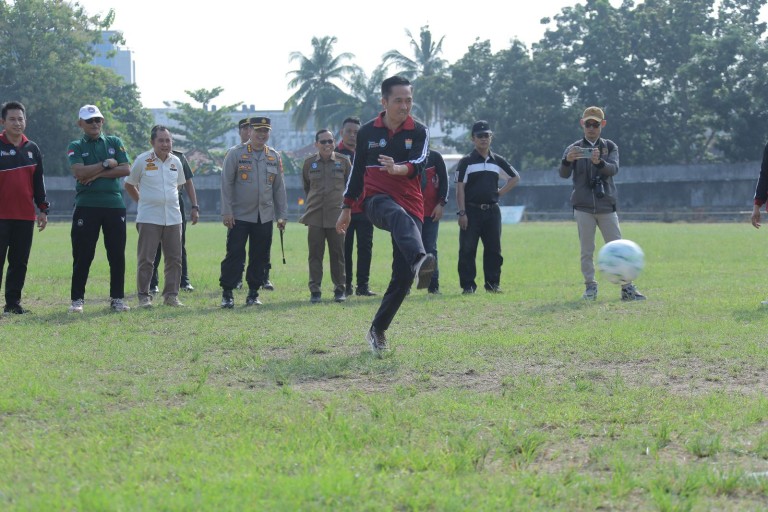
(99, 207)
(253, 192)
(324, 183)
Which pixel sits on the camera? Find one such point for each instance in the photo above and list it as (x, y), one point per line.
(598, 186)
(586, 152)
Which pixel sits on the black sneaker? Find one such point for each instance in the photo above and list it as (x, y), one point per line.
(434, 291)
(253, 298)
(363, 291)
(267, 285)
(377, 340)
(468, 291)
(15, 309)
(630, 293)
(348, 290)
(339, 296)
(492, 288)
(315, 297)
(423, 270)
(227, 300)
(154, 290)
(187, 287)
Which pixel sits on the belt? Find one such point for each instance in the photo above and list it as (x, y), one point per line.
(483, 206)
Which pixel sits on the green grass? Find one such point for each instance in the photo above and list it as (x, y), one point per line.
(528, 400)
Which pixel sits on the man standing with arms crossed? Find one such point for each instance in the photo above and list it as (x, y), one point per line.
(21, 189)
(324, 175)
(153, 183)
(359, 225)
(252, 198)
(97, 162)
(391, 152)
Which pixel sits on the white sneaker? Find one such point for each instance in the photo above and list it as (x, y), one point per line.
(77, 306)
(423, 270)
(119, 306)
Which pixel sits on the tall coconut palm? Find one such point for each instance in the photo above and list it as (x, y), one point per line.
(316, 82)
(425, 70)
(366, 92)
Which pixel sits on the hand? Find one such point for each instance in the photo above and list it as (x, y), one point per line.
(463, 222)
(595, 156)
(228, 220)
(388, 163)
(281, 224)
(756, 216)
(437, 213)
(111, 162)
(345, 217)
(42, 221)
(88, 181)
(195, 216)
(573, 154)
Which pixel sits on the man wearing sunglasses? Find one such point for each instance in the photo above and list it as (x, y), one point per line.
(591, 163)
(97, 162)
(324, 176)
(477, 197)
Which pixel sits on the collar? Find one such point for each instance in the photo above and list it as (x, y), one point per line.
(101, 136)
(332, 158)
(483, 158)
(408, 124)
(4, 138)
(593, 144)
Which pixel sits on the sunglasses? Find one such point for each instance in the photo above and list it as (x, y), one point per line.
(326, 141)
(592, 124)
(483, 135)
(94, 120)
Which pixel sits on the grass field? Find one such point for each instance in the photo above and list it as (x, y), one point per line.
(528, 400)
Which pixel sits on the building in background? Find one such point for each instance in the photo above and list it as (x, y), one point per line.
(118, 59)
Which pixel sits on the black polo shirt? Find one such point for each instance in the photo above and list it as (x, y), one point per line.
(481, 176)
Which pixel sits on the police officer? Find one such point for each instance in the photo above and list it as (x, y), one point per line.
(477, 196)
(252, 198)
(325, 175)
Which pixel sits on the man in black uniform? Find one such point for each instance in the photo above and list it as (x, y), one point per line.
(391, 152)
(477, 196)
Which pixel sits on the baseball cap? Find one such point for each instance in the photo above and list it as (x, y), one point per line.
(481, 127)
(594, 113)
(89, 111)
(244, 122)
(261, 122)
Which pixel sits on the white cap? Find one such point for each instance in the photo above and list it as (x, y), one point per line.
(90, 111)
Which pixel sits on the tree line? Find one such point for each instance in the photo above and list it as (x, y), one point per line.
(680, 82)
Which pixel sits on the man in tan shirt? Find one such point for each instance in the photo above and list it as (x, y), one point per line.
(325, 177)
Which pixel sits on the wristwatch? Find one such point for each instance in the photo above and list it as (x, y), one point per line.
(195, 207)
(105, 164)
(461, 213)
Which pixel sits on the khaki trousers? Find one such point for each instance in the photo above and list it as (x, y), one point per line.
(587, 224)
(169, 238)
(316, 239)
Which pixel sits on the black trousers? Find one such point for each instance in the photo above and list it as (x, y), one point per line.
(15, 244)
(407, 249)
(482, 225)
(87, 223)
(184, 269)
(258, 235)
(361, 227)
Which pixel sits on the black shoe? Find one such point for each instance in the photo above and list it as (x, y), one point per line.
(315, 297)
(363, 291)
(434, 291)
(348, 290)
(187, 287)
(14, 309)
(253, 298)
(468, 291)
(339, 296)
(154, 290)
(377, 340)
(423, 270)
(267, 285)
(227, 300)
(492, 288)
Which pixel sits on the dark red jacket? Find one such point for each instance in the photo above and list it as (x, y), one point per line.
(21, 180)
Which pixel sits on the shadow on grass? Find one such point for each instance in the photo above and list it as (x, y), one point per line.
(313, 366)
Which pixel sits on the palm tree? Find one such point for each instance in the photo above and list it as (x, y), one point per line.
(425, 70)
(315, 81)
(366, 92)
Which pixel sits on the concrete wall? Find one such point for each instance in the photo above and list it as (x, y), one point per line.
(699, 192)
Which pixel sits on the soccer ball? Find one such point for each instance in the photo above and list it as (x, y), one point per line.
(621, 261)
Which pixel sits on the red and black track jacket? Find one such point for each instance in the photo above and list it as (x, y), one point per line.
(21, 180)
(409, 146)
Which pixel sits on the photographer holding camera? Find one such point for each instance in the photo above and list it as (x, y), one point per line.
(592, 162)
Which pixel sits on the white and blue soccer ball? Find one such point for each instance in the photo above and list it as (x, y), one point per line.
(621, 261)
